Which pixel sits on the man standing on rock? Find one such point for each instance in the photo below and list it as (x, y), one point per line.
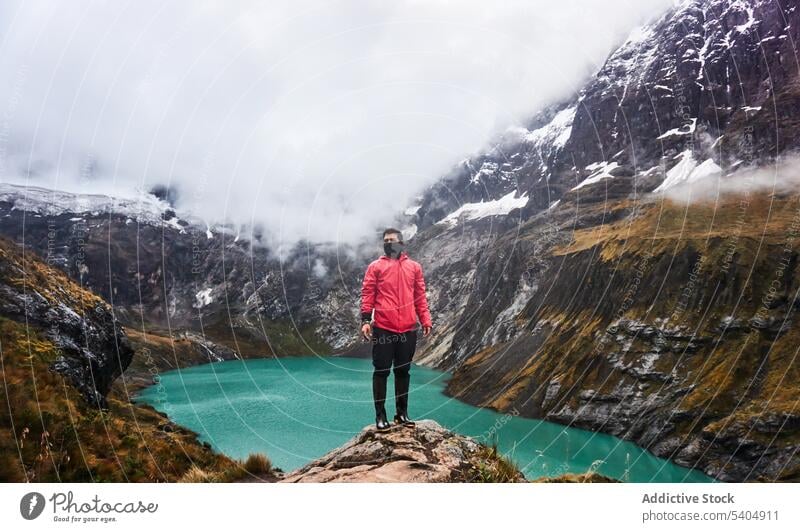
(395, 289)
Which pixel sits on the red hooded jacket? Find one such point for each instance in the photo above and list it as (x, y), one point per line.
(395, 289)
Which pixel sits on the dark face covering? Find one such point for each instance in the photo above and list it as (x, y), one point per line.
(393, 249)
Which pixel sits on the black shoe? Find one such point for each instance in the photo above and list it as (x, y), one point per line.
(381, 423)
(401, 418)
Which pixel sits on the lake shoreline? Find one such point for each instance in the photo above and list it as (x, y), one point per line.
(489, 414)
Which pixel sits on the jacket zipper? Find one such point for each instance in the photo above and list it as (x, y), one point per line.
(399, 294)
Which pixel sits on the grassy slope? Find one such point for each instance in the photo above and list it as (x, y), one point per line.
(49, 433)
(741, 380)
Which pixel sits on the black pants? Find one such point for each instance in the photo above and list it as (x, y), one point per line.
(391, 348)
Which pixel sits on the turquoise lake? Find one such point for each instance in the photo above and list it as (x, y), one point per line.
(298, 408)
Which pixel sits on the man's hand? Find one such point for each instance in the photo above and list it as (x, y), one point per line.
(366, 331)
(426, 330)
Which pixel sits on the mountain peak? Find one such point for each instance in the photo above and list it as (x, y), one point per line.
(703, 77)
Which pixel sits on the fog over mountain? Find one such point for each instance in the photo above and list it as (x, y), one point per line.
(622, 258)
(317, 120)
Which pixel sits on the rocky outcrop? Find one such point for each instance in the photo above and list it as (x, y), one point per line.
(63, 354)
(93, 350)
(424, 453)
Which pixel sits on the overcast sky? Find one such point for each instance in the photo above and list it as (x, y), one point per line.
(318, 119)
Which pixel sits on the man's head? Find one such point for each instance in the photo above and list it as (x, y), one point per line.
(392, 242)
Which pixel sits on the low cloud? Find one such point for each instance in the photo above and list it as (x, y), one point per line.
(317, 120)
(779, 177)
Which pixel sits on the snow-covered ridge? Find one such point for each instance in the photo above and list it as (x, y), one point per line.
(551, 136)
(556, 133)
(707, 41)
(45, 202)
(690, 37)
(496, 164)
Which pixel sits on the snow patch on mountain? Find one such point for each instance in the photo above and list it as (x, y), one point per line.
(599, 171)
(680, 130)
(557, 132)
(680, 172)
(634, 57)
(203, 298)
(487, 169)
(707, 168)
(474, 211)
(409, 231)
(688, 171)
(742, 28)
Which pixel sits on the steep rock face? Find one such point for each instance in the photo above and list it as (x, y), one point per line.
(688, 79)
(93, 350)
(165, 272)
(424, 453)
(674, 328)
(595, 301)
(62, 356)
(711, 80)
